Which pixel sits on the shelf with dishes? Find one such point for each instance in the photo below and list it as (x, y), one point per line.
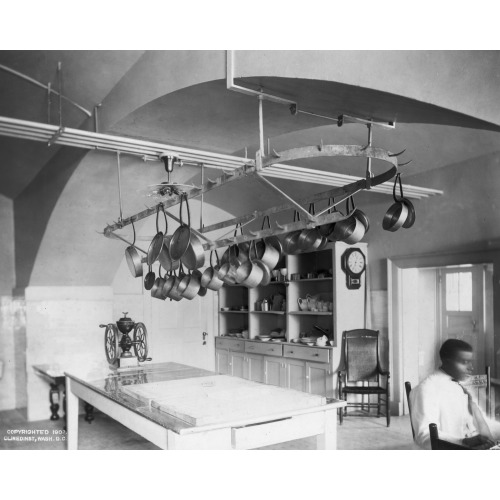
(281, 313)
(310, 313)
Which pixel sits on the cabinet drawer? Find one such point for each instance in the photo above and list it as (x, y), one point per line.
(267, 348)
(311, 353)
(231, 344)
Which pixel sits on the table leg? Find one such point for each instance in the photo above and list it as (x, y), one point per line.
(54, 401)
(328, 440)
(71, 416)
(89, 412)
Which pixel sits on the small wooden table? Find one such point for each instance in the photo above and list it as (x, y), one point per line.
(149, 400)
(55, 377)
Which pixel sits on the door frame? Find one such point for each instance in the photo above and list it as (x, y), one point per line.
(395, 266)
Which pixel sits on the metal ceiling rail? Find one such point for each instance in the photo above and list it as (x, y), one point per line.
(53, 134)
(294, 173)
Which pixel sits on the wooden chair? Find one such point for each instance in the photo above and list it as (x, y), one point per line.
(362, 366)
(408, 390)
(440, 444)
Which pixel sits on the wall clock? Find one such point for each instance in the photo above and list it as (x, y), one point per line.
(353, 264)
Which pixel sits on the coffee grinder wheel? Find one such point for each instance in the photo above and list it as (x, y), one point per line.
(140, 342)
(111, 343)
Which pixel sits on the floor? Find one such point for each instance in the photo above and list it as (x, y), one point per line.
(356, 433)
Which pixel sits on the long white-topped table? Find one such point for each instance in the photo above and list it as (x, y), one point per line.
(177, 406)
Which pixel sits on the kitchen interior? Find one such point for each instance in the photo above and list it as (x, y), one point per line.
(235, 212)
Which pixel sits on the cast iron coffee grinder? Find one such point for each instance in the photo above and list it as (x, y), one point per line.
(118, 349)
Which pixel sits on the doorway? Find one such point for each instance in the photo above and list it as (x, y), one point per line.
(427, 305)
(465, 309)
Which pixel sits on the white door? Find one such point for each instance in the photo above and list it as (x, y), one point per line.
(177, 328)
(462, 309)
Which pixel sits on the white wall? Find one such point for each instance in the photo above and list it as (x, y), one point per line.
(62, 329)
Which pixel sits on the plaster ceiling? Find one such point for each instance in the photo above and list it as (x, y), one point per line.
(88, 76)
(208, 116)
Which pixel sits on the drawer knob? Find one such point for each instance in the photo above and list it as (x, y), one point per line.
(290, 352)
(316, 354)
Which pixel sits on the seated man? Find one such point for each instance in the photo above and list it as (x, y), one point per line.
(440, 399)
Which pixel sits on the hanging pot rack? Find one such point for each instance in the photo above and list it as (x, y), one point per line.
(261, 163)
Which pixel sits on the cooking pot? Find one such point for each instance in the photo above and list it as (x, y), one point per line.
(253, 272)
(164, 257)
(410, 219)
(227, 272)
(265, 252)
(327, 229)
(266, 273)
(174, 293)
(209, 278)
(169, 283)
(156, 290)
(395, 217)
(194, 257)
(350, 230)
(398, 212)
(290, 242)
(309, 239)
(193, 284)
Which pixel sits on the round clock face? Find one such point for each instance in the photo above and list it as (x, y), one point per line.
(356, 262)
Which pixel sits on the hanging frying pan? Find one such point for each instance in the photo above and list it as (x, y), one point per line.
(182, 235)
(157, 242)
(133, 258)
(149, 279)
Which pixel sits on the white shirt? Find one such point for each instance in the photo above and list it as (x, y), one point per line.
(441, 401)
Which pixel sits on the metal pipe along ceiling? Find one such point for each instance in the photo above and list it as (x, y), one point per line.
(52, 134)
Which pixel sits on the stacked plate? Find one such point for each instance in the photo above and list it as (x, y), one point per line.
(308, 340)
(264, 337)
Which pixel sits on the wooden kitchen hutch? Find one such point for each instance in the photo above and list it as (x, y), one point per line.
(291, 364)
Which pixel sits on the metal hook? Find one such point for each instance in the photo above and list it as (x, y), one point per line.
(391, 155)
(403, 164)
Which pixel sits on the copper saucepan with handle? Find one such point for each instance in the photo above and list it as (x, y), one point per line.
(267, 250)
(252, 272)
(410, 219)
(397, 214)
(350, 230)
(209, 278)
(309, 239)
(290, 242)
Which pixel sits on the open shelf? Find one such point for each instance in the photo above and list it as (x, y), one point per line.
(311, 313)
(311, 279)
(268, 312)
